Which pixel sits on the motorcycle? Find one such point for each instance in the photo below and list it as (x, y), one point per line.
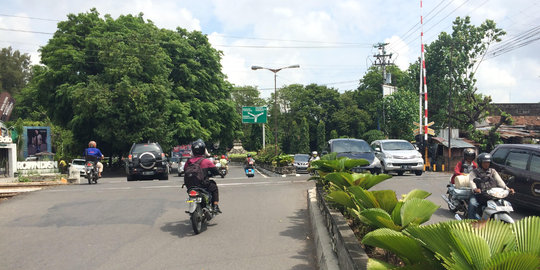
(222, 169)
(458, 194)
(497, 207)
(91, 169)
(200, 208)
(250, 170)
(457, 198)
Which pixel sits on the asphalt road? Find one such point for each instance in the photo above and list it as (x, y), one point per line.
(142, 225)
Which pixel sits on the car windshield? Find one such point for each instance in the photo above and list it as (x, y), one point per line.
(78, 162)
(350, 146)
(145, 148)
(397, 146)
(301, 158)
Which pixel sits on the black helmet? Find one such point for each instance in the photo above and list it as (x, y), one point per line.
(469, 153)
(484, 157)
(198, 147)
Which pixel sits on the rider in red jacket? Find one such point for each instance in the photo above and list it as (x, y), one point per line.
(466, 165)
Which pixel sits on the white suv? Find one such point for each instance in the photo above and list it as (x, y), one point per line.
(399, 156)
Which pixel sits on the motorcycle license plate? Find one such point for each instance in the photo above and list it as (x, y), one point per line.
(193, 200)
(505, 208)
(148, 173)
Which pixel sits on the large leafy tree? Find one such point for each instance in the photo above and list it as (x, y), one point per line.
(401, 110)
(15, 70)
(123, 80)
(452, 61)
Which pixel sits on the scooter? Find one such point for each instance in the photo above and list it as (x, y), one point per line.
(497, 207)
(250, 171)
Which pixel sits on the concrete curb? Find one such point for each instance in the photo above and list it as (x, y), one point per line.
(334, 239)
(326, 257)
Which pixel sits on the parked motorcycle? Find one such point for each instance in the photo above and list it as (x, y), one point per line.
(200, 208)
(91, 169)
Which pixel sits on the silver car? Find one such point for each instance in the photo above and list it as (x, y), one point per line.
(79, 164)
(398, 156)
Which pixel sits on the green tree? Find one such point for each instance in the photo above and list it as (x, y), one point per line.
(15, 70)
(401, 109)
(452, 61)
(303, 143)
(321, 136)
(124, 80)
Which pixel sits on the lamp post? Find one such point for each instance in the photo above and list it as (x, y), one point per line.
(275, 71)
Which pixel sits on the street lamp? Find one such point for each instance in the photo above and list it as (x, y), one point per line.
(275, 71)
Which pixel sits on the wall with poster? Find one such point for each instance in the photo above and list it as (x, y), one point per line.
(36, 140)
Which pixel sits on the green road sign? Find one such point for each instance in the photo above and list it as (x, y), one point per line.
(254, 115)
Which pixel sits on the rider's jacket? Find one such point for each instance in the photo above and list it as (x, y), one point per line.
(485, 179)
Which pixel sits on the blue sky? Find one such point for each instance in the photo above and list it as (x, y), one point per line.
(332, 41)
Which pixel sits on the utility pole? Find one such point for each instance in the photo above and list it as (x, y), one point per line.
(382, 59)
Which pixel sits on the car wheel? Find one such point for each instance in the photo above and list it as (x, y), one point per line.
(418, 173)
(130, 177)
(400, 173)
(383, 170)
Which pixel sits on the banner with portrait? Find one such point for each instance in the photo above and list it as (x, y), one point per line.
(37, 140)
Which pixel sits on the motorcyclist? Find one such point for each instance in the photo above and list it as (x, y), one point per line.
(466, 165)
(93, 151)
(198, 149)
(224, 162)
(249, 161)
(314, 156)
(482, 179)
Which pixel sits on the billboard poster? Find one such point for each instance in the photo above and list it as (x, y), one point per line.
(6, 106)
(37, 140)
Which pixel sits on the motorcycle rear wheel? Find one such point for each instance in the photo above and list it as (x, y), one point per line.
(197, 220)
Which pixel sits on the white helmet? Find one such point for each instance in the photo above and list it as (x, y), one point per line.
(314, 153)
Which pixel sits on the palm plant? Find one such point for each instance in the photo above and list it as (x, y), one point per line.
(462, 245)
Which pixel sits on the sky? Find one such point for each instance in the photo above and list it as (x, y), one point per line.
(332, 41)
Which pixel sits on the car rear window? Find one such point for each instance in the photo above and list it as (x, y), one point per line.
(397, 146)
(78, 162)
(138, 149)
(535, 164)
(517, 160)
(350, 146)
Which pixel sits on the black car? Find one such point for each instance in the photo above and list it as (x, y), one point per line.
(356, 149)
(519, 166)
(147, 160)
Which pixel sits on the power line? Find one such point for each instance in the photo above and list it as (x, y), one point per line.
(31, 18)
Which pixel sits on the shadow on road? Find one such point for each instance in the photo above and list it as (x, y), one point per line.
(300, 230)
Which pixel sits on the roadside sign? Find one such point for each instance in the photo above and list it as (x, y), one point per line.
(254, 115)
(431, 132)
